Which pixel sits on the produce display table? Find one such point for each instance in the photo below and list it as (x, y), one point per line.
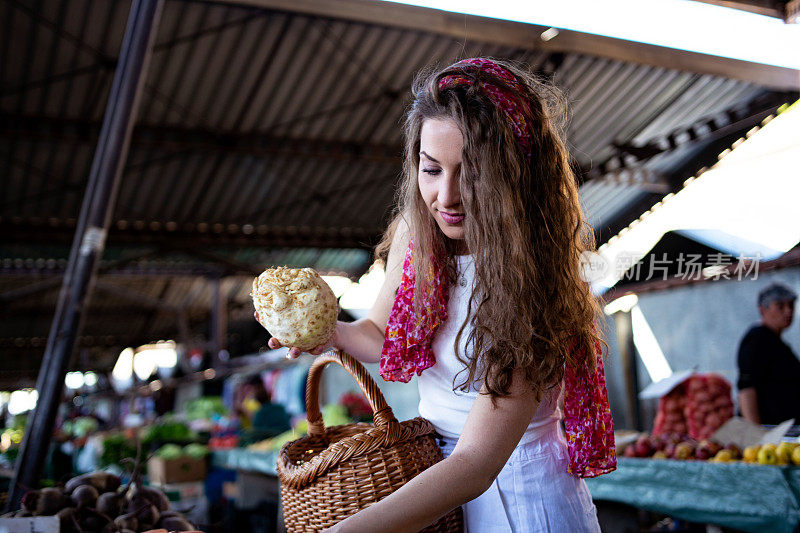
(742, 496)
(242, 459)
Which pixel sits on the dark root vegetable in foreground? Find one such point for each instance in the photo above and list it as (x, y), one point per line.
(147, 516)
(102, 481)
(85, 495)
(140, 495)
(96, 503)
(45, 502)
(65, 518)
(69, 521)
(127, 521)
(110, 504)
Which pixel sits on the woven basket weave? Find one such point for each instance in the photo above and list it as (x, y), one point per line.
(334, 472)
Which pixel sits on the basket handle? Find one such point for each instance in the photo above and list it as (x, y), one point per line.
(382, 413)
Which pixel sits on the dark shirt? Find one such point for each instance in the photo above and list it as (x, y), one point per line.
(768, 364)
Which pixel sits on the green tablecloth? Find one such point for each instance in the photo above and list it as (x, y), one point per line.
(242, 459)
(741, 496)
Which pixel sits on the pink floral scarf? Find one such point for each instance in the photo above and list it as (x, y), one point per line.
(407, 350)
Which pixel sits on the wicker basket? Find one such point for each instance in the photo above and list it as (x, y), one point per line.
(334, 472)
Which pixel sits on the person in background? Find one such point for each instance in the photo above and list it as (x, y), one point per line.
(266, 419)
(248, 399)
(769, 372)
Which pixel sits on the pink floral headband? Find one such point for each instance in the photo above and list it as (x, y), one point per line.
(507, 102)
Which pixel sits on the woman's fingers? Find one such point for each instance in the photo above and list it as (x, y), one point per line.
(293, 353)
(275, 344)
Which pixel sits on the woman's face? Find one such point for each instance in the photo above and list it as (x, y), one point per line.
(440, 144)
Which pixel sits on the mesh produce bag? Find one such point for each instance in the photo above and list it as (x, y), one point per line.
(696, 407)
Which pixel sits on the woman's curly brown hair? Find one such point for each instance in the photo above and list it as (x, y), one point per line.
(524, 226)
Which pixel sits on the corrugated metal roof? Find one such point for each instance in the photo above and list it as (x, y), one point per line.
(236, 69)
(603, 200)
(254, 121)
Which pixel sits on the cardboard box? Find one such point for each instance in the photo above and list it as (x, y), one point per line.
(181, 470)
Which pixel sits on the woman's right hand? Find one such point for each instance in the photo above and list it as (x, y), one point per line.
(362, 339)
(295, 352)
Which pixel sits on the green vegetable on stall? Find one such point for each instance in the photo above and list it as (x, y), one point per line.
(80, 427)
(169, 451)
(10, 455)
(205, 408)
(196, 451)
(173, 451)
(168, 430)
(116, 447)
(84, 425)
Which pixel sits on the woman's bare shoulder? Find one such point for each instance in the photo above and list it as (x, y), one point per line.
(394, 274)
(400, 239)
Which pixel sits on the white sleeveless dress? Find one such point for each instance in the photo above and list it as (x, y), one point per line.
(533, 492)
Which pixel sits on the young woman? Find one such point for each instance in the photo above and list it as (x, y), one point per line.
(483, 300)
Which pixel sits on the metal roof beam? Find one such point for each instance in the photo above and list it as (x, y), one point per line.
(181, 140)
(122, 312)
(708, 129)
(196, 235)
(51, 283)
(694, 167)
(483, 29)
(232, 266)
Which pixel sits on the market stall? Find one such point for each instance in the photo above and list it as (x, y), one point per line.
(701, 464)
(741, 496)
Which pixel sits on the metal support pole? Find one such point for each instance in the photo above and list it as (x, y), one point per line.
(219, 323)
(628, 355)
(184, 333)
(89, 241)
